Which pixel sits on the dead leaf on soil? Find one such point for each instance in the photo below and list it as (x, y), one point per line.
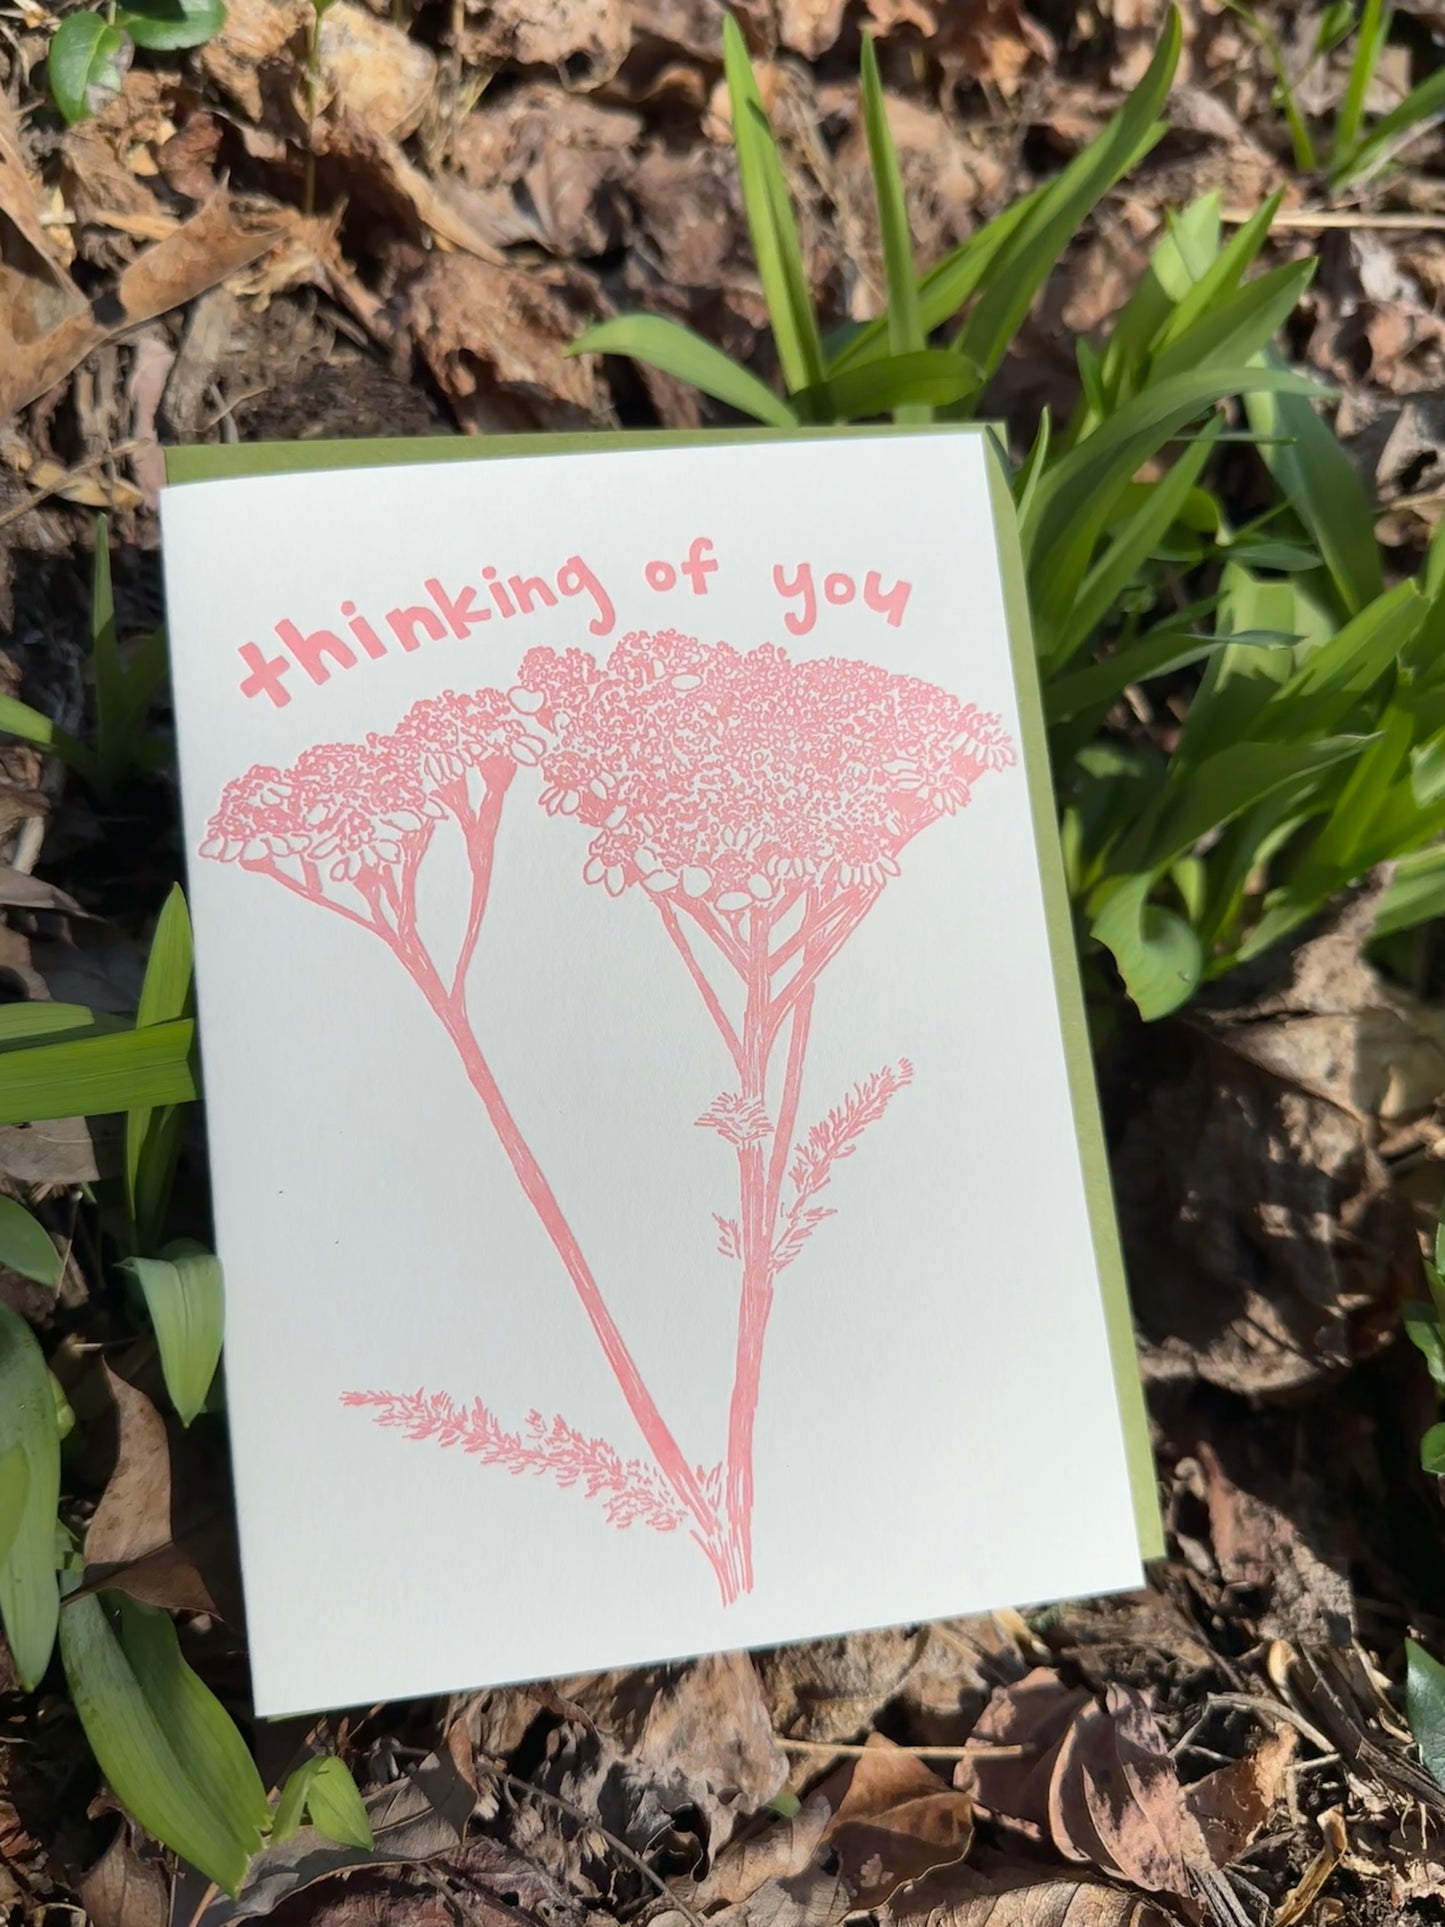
(1095, 1780)
(557, 160)
(586, 39)
(939, 1676)
(378, 72)
(770, 1849)
(994, 40)
(150, 1534)
(495, 340)
(664, 1738)
(36, 293)
(122, 1890)
(216, 241)
(1013, 1895)
(380, 176)
(1271, 1535)
(809, 27)
(894, 1820)
(1263, 1239)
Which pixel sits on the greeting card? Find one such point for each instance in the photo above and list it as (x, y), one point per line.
(656, 1166)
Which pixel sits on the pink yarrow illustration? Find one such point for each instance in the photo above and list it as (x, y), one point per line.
(762, 805)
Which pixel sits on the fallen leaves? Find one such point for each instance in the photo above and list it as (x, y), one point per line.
(218, 240)
(895, 1821)
(1093, 1778)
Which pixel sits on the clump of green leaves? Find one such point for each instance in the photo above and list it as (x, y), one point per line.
(90, 53)
(1350, 150)
(986, 286)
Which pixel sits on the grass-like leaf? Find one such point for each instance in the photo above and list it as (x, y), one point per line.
(26, 1246)
(771, 223)
(676, 350)
(185, 1298)
(29, 1590)
(905, 325)
(96, 1074)
(165, 1743)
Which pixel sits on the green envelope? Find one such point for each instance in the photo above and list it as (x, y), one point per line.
(223, 462)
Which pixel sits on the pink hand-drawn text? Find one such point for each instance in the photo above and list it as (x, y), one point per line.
(458, 612)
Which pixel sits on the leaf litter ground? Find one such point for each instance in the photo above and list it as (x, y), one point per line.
(1228, 1745)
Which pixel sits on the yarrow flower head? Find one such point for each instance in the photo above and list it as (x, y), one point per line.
(732, 775)
(352, 806)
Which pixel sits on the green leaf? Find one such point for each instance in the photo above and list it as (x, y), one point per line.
(1416, 893)
(1055, 219)
(905, 326)
(1103, 587)
(1432, 1451)
(152, 1138)
(1417, 112)
(771, 224)
(1225, 271)
(24, 1024)
(14, 1490)
(94, 1075)
(1222, 787)
(1321, 484)
(678, 351)
(1236, 327)
(1425, 1704)
(29, 1591)
(1305, 157)
(165, 1743)
(336, 1808)
(931, 376)
(944, 289)
(1073, 502)
(1157, 654)
(86, 64)
(25, 1245)
(1028, 477)
(1422, 1328)
(186, 1302)
(1334, 677)
(323, 1788)
(1374, 26)
(166, 26)
(1158, 955)
(19, 719)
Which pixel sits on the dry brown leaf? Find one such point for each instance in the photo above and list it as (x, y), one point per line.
(255, 55)
(810, 27)
(994, 40)
(1234, 1803)
(664, 1738)
(375, 70)
(894, 1821)
(1013, 1749)
(61, 1151)
(1014, 1895)
(496, 340)
(380, 174)
(556, 160)
(1104, 1791)
(1298, 1902)
(122, 1890)
(1258, 1219)
(776, 1851)
(148, 1532)
(585, 39)
(35, 291)
(213, 244)
(939, 1676)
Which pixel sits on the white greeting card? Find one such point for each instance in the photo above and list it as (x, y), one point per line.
(651, 1184)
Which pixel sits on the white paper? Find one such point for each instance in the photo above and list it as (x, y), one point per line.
(546, 1181)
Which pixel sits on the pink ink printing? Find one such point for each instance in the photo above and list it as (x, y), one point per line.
(762, 805)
